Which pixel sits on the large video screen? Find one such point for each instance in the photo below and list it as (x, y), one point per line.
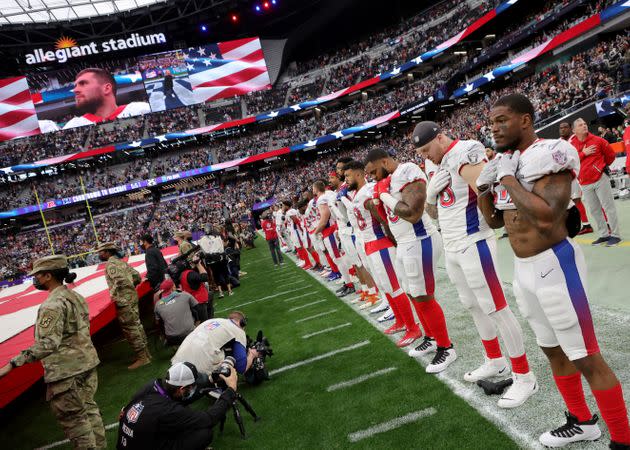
(80, 95)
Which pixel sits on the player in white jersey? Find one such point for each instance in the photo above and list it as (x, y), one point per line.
(302, 207)
(381, 253)
(278, 218)
(317, 243)
(401, 188)
(550, 272)
(326, 227)
(95, 97)
(294, 229)
(471, 257)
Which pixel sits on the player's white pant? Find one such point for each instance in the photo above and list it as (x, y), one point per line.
(350, 254)
(473, 272)
(550, 290)
(360, 247)
(383, 271)
(296, 238)
(318, 245)
(416, 262)
(334, 251)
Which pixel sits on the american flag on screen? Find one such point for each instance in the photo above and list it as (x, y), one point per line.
(17, 113)
(226, 69)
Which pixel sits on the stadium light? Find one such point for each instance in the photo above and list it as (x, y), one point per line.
(203, 28)
(257, 8)
(234, 18)
(266, 5)
(273, 2)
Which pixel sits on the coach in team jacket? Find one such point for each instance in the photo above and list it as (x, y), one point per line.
(157, 418)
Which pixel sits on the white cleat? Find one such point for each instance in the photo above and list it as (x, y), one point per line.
(427, 345)
(366, 305)
(443, 358)
(381, 307)
(387, 316)
(572, 431)
(523, 387)
(490, 368)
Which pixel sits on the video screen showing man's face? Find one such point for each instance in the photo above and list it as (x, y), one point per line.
(92, 90)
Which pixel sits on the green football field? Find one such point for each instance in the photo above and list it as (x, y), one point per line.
(339, 382)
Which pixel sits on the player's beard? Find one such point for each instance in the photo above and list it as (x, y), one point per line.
(353, 186)
(506, 147)
(89, 106)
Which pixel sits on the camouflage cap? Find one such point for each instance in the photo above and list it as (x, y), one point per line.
(183, 234)
(49, 263)
(108, 246)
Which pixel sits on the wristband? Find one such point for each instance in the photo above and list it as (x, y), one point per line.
(389, 200)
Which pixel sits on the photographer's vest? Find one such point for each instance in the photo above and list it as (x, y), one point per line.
(200, 294)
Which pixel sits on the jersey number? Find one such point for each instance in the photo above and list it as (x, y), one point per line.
(447, 197)
(360, 219)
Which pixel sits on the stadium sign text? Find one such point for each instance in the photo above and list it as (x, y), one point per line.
(66, 48)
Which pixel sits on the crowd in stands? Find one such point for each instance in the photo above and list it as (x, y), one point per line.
(266, 100)
(220, 114)
(179, 119)
(108, 134)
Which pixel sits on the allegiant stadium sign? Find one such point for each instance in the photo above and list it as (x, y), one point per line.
(67, 48)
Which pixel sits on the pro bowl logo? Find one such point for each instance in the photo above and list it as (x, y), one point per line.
(134, 412)
(212, 325)
(447, 197)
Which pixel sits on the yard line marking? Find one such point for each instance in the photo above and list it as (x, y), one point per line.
(326, 330)
(307, 305)
(316, 316)
(262, 299)
(300, 296)
(391, 424)
(320, 357)
(67, 441)
(361, 379)
(283, 277)
(291, 284)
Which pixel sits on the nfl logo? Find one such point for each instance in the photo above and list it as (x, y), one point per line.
(134, 412)
(212, 325)
(559, 157)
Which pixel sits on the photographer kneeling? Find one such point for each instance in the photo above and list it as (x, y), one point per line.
(157, 418)
(208, 345)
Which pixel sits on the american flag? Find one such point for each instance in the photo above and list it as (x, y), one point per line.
(17, 113)
(226, 69)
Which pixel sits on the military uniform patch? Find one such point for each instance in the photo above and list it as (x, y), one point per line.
(46, 320)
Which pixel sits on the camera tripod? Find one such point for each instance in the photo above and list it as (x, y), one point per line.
(237, 412)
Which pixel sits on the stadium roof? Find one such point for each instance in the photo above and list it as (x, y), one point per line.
(43, 11)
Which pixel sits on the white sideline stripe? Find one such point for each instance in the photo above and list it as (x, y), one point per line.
(263, 298)
(391, 424)
(316, 316)
(326, 330)
(67, 441)
(462, 390)
(361, 379)
(320, 357)
(307, 305)
(300, 296)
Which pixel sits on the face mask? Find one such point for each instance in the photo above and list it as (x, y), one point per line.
(37, 285)
(190, 393)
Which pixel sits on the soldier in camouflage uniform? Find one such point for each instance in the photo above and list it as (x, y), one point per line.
(121, 280)
(63, 345)
(183, 241)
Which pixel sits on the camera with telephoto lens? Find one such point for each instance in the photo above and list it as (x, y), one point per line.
(179, 264)
(225, 368)
(258, 372)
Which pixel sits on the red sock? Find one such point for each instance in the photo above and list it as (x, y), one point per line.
(520, 364)
(613, 409)
(493, 349)
(331, 263)
(352, 271)
(570, 387)
(315, 257)
(404, 307)
(436, 321)
(422, 317)
(395, 310)
(580, 206)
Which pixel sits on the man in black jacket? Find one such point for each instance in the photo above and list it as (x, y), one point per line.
(157, 418)
(156, 265)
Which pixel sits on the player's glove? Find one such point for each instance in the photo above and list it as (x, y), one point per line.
(438, 183)
(508, 163)
(488, 174)
(343, 192)
(380, 188)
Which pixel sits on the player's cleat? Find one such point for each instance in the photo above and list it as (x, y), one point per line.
(381, 307)
(396, 328)
(409, 338)
(341, 289)
(387, 316)
(601, 241)
(586, 229)
(427, 345)
(443, 358)
(366, 304)
(524, 386)
(495, 367)
(613, 241)
(372, 299)
(572, 431)
(347, 290)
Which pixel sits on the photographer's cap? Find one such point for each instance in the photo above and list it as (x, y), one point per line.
(181, 374)
(183, 234)
(108, 246)
(424, 133)
(47, 263)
